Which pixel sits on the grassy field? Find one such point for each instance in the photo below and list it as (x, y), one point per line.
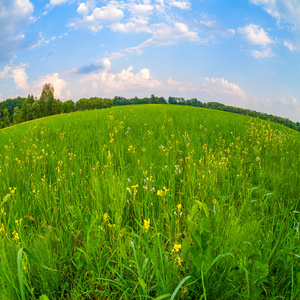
(149, 202)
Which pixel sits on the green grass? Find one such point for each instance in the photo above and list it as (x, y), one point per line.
(221, 192)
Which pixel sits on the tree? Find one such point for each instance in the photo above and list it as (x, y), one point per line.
(68, 106)
(6, 121)
(17, 115)
(36, 109)
(47, 100)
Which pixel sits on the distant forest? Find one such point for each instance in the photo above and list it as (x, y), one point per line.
(18, 110)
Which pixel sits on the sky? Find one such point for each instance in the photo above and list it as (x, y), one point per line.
(244, 53)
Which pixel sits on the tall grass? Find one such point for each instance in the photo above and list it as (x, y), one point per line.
(150, 202)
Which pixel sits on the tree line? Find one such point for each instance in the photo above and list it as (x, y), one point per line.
(14, 111)
(18, 110)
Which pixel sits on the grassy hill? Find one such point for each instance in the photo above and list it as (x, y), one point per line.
(149, 202)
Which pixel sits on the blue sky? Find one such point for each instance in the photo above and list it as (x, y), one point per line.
(243, 53)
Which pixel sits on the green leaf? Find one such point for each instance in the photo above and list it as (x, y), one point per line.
(163, 297)
(185, 247)
(43, 297)
(142, 283)
(206, 210)
(191, 224)
(194, 210)
(197, 237)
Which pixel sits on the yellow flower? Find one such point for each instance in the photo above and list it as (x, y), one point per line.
(179, 206)
(12, 190)
(179, 260)
(176, 248)
(105, 216)
(162, 192)
(147, 224)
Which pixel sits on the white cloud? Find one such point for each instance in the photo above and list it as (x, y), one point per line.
(134, 25)
(83, 9)
(295, 102)
(207, 23)
(138, 22)
(57, 2)
(125, 81)
(107, 13)
(220, 85)
(284, 11)
(181, 4)
(267, 52)
(141, 10)
(58, 83)
(164, 34)
(182, 87)
(41, 41)
(231, 32)
(18, 73)
(289, 45)
(282, 100)
(255, 35)
(267, 100)
(15, 16)
(1, 99)
(106, 63)
(68, 94)
(100, 15)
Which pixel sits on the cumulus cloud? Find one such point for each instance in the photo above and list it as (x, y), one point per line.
(134, 25)
(58, 83)
(180, 4)
(15, 16)
(18, 73)
(180, 86)
(139, 20)
(284, 11)
(124, 81)
(221, 85)
(94, 22)
(267, 52)
(57, 2)
(141, 10)
(83, 9)
(255, 35)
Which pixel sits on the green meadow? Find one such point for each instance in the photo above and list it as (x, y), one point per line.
(149, 202)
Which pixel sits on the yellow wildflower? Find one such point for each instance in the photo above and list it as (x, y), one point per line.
(176, 248)
(12, 190)
(179, 206)
(179, 260)
(105, 216)
(147, 224)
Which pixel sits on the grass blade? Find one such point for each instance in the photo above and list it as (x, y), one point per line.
(20, 269)
(179, 286)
